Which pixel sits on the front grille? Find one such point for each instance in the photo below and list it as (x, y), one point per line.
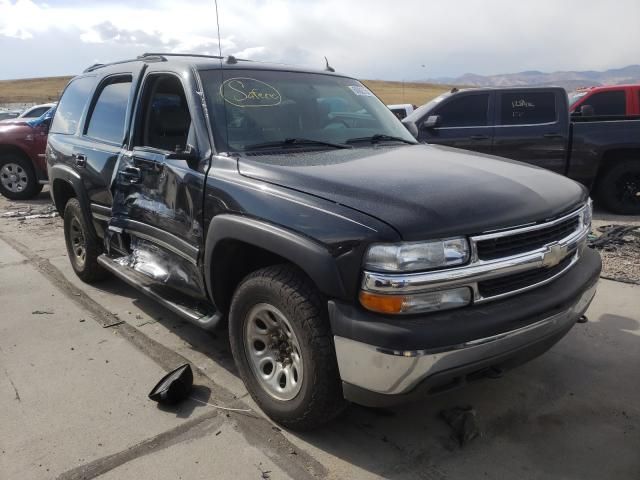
(510, 283)
(509, 245)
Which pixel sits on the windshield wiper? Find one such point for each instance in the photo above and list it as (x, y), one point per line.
(380, 137)
(294, 141)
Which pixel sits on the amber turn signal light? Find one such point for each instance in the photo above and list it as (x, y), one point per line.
(381, 303)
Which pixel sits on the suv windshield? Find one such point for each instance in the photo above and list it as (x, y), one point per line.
(251, 109)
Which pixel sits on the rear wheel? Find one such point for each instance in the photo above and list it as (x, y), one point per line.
(619, 187)
(283, 347)
(83, 248)
(18, 180)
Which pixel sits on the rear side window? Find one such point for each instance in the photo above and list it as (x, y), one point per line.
(107, 119)
(608, 103)
(71, 106)
(465, 111)
(524, 108)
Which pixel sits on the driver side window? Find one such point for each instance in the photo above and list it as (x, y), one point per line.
(164, 121)
(465, 111)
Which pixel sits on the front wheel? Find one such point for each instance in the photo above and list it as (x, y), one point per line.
(619, 187)
(283, 348)
(18, 180)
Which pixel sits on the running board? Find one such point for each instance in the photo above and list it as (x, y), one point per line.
(139, 281)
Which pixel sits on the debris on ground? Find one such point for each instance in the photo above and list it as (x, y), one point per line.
(619, 246)
(462, 421)
(174, 387)
(41, 312)
(30, 213)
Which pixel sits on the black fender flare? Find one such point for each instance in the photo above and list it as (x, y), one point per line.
(60, 172)
(310, 256)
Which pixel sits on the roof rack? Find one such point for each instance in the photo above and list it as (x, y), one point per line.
(229, 59)
(150, 54)
(97, 66)
(161, 57)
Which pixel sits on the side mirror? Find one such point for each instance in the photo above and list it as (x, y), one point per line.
(432, 121)
(587, 111)
(411, 126)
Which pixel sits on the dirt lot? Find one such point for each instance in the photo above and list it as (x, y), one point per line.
(76, 364)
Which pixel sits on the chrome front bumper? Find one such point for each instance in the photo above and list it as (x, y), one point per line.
(396, 372)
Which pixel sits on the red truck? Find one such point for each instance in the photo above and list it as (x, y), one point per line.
(23, 169)
(612, 100)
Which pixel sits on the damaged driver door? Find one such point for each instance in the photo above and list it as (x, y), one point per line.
(155, 231)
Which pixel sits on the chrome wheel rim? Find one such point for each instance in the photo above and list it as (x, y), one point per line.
(273, 351)
(13, 177)
(78, 242)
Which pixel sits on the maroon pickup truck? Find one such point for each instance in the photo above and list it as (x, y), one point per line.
(23, 170)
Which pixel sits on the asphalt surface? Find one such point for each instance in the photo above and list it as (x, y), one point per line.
(77, 363)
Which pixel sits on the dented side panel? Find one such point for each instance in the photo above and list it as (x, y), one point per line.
(157, 205)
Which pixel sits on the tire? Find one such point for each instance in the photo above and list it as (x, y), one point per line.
(83, 248)
(316, 397)
(18, 180)
(619, 187)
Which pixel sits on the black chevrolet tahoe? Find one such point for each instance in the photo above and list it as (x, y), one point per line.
(348, 260)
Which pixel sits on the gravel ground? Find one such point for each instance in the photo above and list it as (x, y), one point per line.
(620, 260)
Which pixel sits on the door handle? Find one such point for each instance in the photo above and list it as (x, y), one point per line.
(132, 174)
(479, 137)
(553, 135)
(80, 159)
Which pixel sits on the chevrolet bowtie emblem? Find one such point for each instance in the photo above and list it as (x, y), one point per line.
(553, 255)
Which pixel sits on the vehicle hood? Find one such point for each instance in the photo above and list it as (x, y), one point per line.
(13, 121)
(14, 129)
(424, 191)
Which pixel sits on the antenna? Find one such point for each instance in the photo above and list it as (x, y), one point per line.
(218, 24)
(328, 67)
(224, 106)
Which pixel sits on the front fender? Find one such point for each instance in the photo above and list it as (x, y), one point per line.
(310, 256)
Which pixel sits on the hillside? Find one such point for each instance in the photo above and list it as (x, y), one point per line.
(32, 90)
(567, 79)
(416, 93)
(39, 90)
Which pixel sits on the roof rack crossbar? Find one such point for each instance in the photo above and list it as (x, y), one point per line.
(155, 54)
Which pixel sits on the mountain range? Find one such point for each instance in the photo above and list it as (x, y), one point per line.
(569, 79)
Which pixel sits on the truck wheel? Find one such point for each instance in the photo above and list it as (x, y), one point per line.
(283, 348)
(83, 249)
(619, 187)
(18, 180)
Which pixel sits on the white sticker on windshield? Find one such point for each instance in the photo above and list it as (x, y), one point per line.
(362, 91)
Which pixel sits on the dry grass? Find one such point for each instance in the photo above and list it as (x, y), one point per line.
(415, 93)
(39, 90)
(32, 90)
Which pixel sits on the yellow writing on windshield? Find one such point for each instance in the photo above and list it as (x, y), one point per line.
(249, 92)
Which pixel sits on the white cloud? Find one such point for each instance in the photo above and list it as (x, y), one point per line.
(370, 39)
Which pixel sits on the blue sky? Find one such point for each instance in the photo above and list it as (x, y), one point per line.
(368, 39)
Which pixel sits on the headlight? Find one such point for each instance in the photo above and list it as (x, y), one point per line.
(414, 256)
(587, 215)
